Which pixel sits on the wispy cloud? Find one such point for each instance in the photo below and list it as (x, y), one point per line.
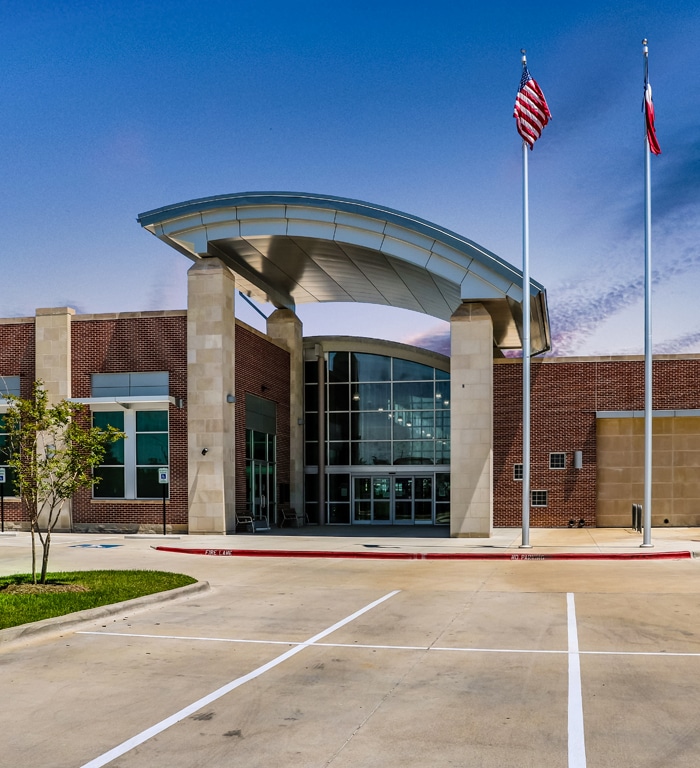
(578, 309)
(78, 306)
(678, 183)
(436, 339)
(688, 342)
(169, 289)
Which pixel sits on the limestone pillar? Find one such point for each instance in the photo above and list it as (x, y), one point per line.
(53, 351)
(52, 360)
(471, 434)
(211, 329)
(284, 326)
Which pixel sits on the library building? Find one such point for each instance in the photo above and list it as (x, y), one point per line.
(262, 430)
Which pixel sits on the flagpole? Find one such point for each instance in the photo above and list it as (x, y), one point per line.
(648, 354)
(526, 345)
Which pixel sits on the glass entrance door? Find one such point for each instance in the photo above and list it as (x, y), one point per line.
(403, 500)
(261, 490)
(423, 500)
(398, 500)
(381, 497)
(372, 500)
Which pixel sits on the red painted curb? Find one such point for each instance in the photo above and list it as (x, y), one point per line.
(432, 555)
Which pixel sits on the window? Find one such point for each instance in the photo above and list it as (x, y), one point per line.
(9, 385)
(557, 461)
(130, 466)
(379, 411)
(151, 383)
(517, 471)
(539, 498)
(9, 485)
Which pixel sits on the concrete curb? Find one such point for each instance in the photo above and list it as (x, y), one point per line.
(55, 625)
(218, 552)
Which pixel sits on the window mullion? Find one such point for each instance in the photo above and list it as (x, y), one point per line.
(130, 454)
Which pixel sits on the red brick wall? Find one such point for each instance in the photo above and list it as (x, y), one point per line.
(153, 341)
(17, 358)
(146, 342)
(565, 395)
(262, 369)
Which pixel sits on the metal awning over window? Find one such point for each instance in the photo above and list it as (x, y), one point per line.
(127, 403)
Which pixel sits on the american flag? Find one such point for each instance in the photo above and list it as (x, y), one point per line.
(649, 116)
(531, 112)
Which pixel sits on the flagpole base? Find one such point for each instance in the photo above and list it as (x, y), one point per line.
(525, 546)
(646, 546)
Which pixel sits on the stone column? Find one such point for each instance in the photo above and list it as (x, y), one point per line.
(53, 351)
(471, 434)
(284, 326)
(52, 361)
(211, 329)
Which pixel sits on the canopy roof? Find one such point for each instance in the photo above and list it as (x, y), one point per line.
(291, 248)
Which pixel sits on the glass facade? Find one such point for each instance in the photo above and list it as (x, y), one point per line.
(386, 439)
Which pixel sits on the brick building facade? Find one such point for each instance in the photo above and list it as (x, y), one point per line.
(590, 407)
(141, 342)
(569, 398)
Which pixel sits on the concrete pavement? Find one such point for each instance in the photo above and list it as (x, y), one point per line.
(93, 551)
(346, 662)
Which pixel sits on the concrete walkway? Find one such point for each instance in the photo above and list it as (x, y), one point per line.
(356, 540)
(506, 543)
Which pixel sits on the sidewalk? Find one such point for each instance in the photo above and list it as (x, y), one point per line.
(402, 543)
(387, 542)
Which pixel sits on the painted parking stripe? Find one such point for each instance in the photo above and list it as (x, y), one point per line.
(154, 730)
(373, 647)
(577, 744)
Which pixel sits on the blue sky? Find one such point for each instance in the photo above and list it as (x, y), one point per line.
(111, 109)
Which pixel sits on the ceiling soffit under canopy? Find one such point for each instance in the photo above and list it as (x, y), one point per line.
(292, 248)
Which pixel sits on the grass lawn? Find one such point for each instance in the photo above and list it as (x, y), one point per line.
(22, 602)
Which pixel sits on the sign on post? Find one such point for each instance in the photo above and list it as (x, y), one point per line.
(2, 499)
(163, 480)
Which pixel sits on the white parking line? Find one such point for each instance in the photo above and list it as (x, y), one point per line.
(449, 649)
(576, 735)
(577, 744)
(154, 730)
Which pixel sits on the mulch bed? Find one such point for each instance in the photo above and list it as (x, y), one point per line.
(40, 589)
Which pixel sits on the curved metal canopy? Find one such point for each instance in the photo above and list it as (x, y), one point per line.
(292, 248)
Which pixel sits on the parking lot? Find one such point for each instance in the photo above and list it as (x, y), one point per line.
(301, 662)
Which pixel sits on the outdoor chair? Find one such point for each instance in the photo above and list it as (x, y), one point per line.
(243, 519)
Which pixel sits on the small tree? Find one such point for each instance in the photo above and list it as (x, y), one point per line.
(53, 456)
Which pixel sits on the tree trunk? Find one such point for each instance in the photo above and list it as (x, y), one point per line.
(33, 530)
(45, 556)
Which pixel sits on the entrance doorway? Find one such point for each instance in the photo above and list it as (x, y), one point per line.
(261, 491)
(394, 500)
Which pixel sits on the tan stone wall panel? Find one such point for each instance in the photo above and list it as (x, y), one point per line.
(675, 469)
(471, 508)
